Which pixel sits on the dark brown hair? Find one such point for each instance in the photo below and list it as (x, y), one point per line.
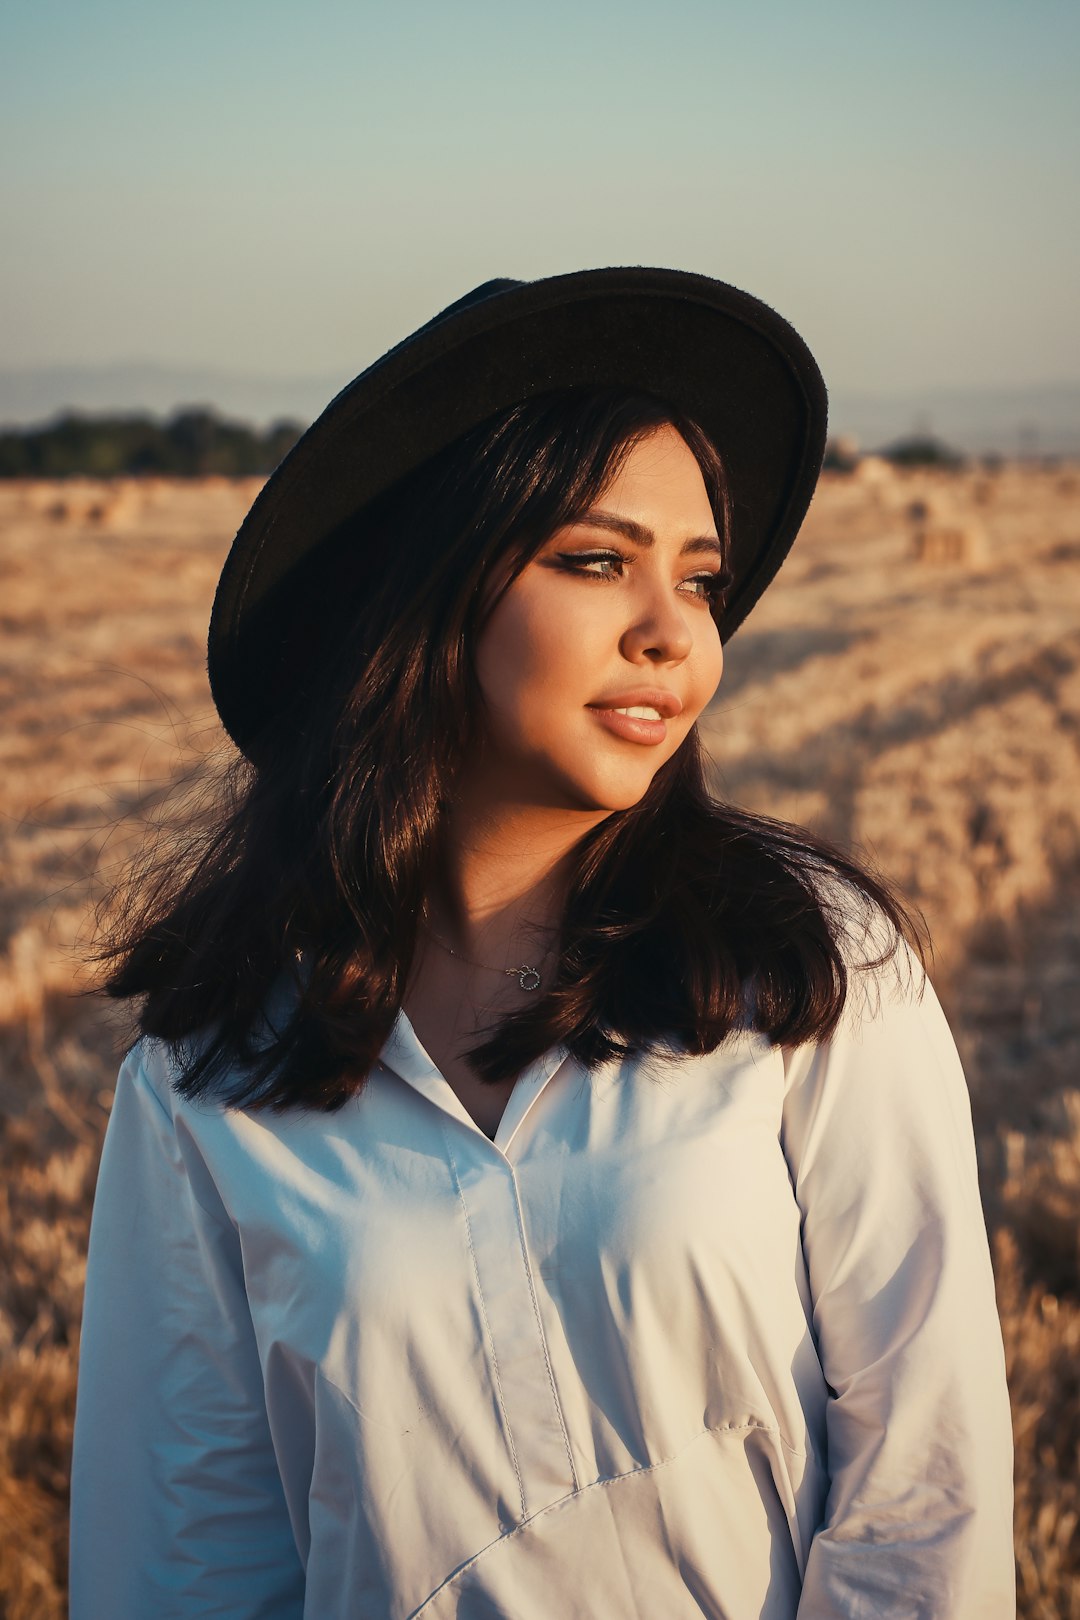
(275, 950)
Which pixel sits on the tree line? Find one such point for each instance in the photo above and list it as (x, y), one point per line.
(193, 442)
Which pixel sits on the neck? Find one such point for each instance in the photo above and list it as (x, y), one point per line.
(502, 875)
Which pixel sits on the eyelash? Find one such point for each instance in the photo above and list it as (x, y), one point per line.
(716, 584)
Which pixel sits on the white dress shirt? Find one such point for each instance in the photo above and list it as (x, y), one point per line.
(692, 1336)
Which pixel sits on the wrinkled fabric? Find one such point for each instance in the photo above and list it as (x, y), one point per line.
(692, 1336)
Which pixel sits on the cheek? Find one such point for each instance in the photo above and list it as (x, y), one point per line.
(698, 677)
(712, 667)
(528, 650)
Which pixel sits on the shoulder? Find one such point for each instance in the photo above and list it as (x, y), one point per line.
(184, 1152)
(891, 1016)
(149, 1070)
(880, 962)
(892, 1055)
(162, 1068)
(149, 1098)
(151, 1085)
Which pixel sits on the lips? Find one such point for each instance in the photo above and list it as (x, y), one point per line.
(666, 704)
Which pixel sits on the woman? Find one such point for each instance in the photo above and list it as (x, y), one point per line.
(538, 1189)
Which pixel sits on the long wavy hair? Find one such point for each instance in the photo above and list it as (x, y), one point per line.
(685, 917)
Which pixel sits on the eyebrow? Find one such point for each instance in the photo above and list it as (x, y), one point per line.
(645, 537)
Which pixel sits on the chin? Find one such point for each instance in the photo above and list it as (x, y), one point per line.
(609, 795)
(583, 781)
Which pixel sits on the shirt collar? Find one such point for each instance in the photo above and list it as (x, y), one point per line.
(404, 1053)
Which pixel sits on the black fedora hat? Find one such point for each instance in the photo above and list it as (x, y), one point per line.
(723, 357)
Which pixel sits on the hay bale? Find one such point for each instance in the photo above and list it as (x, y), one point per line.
(932, 506)
(874, 472)
(112, 510)
(942, 543)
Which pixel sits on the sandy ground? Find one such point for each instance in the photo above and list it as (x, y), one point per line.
(910, 686)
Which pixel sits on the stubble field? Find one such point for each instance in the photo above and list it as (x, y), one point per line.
(910, 686)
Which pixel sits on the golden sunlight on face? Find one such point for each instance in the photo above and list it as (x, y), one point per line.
(613, 614)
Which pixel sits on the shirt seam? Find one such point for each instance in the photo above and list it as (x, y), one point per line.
(487, 1325)
(607, 1479)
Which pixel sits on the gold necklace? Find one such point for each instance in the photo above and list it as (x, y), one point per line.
(528, 978)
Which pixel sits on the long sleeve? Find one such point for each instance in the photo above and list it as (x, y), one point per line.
(177, 1504)
(878, 1136)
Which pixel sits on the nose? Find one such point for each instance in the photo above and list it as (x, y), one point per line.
(660, 631)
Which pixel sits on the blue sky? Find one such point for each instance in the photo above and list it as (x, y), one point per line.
(290, 188)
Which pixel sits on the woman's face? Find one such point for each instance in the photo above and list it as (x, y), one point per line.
(612, 613)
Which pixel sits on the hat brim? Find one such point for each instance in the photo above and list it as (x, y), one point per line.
(720, 355)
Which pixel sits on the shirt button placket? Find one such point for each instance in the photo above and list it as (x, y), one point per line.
(537, 1435)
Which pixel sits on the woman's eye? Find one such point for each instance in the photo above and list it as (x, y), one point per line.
(717, 584)
(584, 562)
(709, 586)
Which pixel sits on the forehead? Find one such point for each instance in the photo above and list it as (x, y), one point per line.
(659, 489)
(659, 468)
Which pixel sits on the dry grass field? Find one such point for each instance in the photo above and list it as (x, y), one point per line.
(911, 685)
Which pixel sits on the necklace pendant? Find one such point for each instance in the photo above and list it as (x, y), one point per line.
(528, 978)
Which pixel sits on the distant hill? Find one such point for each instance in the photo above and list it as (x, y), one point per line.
(1043, 420)
(1011, 421)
